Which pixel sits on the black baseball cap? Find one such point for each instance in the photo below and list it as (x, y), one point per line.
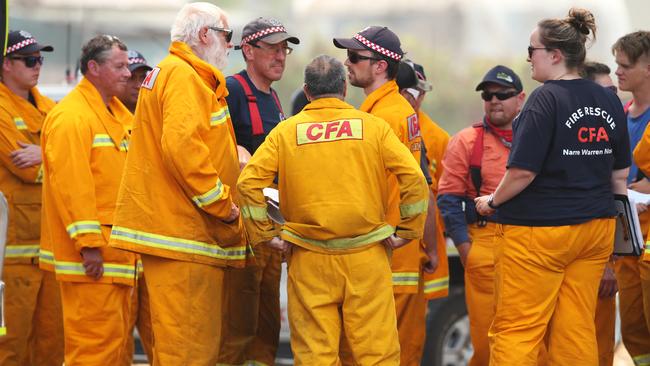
(22, 42)
(501, 75)
(411, 75)
(267, 30)
(377, 39)
(136, 61)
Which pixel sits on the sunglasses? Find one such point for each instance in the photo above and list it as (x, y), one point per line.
(487, 96)
(532, 49)
(355, 57)
(30, 61)
(228, 32)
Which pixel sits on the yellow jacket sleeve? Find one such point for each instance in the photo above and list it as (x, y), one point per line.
(67, 158)
(184, 151)
(642, 152)
(414, 192)
(257, 175)
(9, 137)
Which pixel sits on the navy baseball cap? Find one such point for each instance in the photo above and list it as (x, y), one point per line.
(377, 39)
(22, 42)
(268, 30)
(411, 75)
(136, 61)
(503, 76)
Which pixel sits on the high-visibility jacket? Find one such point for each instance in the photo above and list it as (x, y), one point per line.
(84, 149)
(436, 284)
(387, 103)
(181, 166)
(21, 121)
(331, 162)
(642, 159)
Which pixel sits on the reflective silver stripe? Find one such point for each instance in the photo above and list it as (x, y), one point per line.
(110, 269)
(177, 244)
(22, 251)
(83, 227)
(209, 196)
(220, 116)
(102, 140)
(406, 278)
(45, 256)
(347, 243)
(124, 145)
(413, 209)
(20, 123)
(642, 360)
(255, 213)
(436, 285)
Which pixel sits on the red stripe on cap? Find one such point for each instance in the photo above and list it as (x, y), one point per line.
(378, 48)
(137, 61)
(261, 33)
(20, 45)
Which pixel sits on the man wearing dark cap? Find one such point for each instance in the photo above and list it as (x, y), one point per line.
(34, 333)
(474, 164)
(139, 68)
(252, 299)
(413, 86)
(373, 59)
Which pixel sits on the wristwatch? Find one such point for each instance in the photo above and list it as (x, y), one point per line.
(491, 202)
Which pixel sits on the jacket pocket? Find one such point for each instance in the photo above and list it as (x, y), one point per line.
(26, 215)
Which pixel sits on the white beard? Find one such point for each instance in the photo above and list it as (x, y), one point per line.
(216, 55)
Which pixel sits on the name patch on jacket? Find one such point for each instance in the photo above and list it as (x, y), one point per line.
(413, 126)
(343, 129)
(150, 79)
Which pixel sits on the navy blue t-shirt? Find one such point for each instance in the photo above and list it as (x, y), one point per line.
(572, 133)
(241, 117)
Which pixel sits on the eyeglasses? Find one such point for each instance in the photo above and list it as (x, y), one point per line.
(355, 57)
(532, 49)
(30, 61)
(487, 96)
(612, 88)
(284, 50)
(227, 31)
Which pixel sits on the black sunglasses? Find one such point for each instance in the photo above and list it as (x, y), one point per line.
(487, 96)
(355, 57)
(532, 49)
(30, 61)
(228, 32)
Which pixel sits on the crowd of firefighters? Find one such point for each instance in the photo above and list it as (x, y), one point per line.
(137, 201)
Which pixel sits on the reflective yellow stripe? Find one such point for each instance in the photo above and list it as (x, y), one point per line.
(209, 196)
(102, 140)
(406, 278)
(347, 243)
(20, 123)
(642, 360)
(110, 269)
(219, 117)
(140, 267)
(436, 285)
(124, 145)
(39, 177)
(255, 213)
(3, 331)
(22, 251)
(413, 209)
(45, 256)
(83, 227)
(177, 244)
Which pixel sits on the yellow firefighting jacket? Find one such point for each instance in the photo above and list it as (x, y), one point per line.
(435, 139)
(331, 162)
(181, 166)
(388, 104)
(21, 121)
(84, 149)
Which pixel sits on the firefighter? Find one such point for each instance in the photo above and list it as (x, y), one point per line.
(85, 141)
(32, 301)
(177, 201)
(331, 160)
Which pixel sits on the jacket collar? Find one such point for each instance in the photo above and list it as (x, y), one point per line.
(328, 103)
(374, 97)
(211, 76)
(27, 110)
(115, 120)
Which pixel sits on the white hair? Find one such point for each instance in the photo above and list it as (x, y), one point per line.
(191, 18)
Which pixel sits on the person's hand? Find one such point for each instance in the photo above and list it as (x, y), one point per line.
(279, 244)
(642, 186)
(641, 207)
(28, 155)
(93, 262)
(395, 241)
(608, 286)
(432, 264)
(463, 251)
(234, 214)
(244, 156)
(482, 206)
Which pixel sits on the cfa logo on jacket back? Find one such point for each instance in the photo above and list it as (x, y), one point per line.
(343, 129)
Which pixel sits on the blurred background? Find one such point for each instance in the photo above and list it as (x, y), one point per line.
(456, 41)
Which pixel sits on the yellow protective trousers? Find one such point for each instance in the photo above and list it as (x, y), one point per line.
(331, 293)
(411, 326)
(546, 283)
(95, 322)
(251, 310)
(633, 278)
(140, 318)
(33, 317)
(605, 330)
(185, 304)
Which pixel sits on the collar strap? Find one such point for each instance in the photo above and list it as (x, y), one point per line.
(375, 47)
(262, 33)
(20, 45)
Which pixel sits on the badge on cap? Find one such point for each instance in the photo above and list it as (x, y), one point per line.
(504, 76)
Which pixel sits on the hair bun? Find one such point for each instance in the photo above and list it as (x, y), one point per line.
(582, 19)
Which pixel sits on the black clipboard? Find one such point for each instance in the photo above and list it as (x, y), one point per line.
(628, 239)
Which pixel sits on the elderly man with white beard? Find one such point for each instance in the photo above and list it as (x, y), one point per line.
(177, 202)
